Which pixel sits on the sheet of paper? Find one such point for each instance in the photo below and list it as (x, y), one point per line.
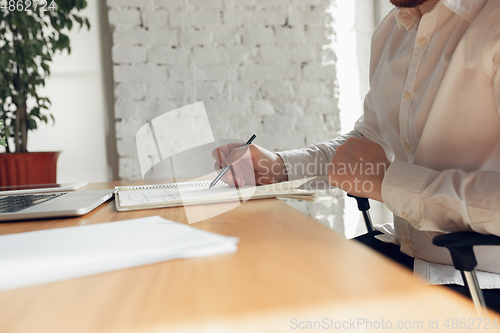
(45, 256)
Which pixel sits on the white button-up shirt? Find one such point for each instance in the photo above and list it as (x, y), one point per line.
(434, 106)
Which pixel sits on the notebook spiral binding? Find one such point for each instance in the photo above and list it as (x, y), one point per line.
(174, 185)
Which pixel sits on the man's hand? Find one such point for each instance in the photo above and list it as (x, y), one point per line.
(251, 164)
(358, 167)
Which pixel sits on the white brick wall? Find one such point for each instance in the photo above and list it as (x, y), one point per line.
(259, 66)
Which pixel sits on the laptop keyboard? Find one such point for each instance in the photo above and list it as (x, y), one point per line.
(16, 203)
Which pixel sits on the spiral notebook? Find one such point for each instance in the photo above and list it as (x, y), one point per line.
(196, 193)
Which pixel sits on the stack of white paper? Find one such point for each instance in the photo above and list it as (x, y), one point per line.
(45, 256)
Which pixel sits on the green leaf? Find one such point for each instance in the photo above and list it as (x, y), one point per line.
(78, 19)
(45, 67)
(31, 124)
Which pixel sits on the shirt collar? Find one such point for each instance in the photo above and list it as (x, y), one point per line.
(408, 17)
(468, 9)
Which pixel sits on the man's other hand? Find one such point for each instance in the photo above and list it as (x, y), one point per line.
(358, 167)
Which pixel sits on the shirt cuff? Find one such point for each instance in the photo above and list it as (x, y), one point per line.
(401, 190)
(298, 164)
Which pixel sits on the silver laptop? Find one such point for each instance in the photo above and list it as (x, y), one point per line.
(48, 205)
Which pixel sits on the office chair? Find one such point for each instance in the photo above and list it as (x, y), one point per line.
(460, 244)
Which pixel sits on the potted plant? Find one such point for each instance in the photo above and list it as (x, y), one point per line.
(31, 32)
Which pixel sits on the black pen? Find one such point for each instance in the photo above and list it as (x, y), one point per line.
(216, 180)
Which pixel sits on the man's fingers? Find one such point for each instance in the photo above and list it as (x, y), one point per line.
(221, 153)
(218, 155)
(227, 177)
(237, 154)
(245, 172)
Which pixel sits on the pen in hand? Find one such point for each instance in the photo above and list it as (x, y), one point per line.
(216, 180)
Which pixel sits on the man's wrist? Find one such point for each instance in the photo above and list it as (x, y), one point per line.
(281, 174)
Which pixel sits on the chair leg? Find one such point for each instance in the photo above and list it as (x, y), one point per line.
(368, 221)
(470, 280)
(364, 206)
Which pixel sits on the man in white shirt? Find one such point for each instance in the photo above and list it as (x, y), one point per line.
(428, 143)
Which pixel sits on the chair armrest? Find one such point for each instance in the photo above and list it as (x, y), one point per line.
(465, 238)
(460, 245)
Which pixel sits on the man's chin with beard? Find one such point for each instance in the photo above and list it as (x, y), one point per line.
(407, 3)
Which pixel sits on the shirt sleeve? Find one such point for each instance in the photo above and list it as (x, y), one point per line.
(450, 200)
(368, 124)
(492, 60)
(313, 160)
(369, 127)
(496, 75)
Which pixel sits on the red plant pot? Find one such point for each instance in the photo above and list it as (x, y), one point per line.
(28, 168)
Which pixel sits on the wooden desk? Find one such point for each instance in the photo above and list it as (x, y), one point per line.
(288, 270)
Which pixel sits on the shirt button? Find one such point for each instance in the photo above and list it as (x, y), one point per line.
(407, 146)
(422, 41)
(406, 241)
(405, 215)
(407, 95)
